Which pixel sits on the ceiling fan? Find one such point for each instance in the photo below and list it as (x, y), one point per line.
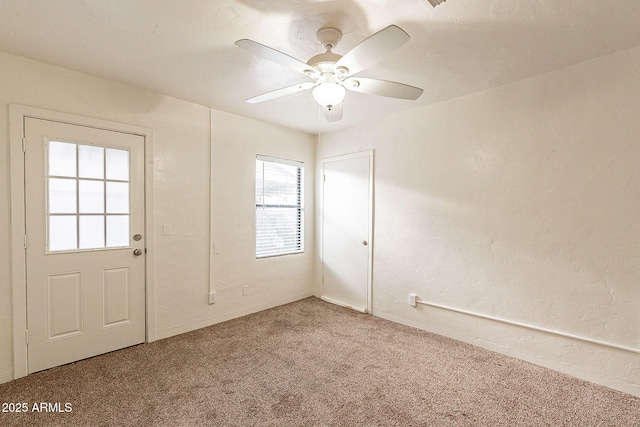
(332, 74)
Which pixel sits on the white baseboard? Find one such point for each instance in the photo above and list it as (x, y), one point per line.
(170, 332)
(5, 377)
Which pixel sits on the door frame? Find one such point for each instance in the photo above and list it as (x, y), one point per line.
(370, 239)
(17, 115)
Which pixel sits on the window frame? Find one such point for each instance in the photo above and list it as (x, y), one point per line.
(299, 206)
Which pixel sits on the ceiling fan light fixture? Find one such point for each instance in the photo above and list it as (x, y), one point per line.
(329, 94)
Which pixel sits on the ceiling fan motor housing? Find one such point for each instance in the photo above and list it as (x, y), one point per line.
(328, 38)
(324, 62)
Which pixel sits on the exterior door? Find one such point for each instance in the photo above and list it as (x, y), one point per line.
(346, 228)
(84, 190)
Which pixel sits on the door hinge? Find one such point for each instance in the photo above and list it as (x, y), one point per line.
(25, 241)
(26, 336)
(322, 278)
(324, 178)
(24, 144)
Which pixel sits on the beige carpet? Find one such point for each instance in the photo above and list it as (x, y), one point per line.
(313, 364)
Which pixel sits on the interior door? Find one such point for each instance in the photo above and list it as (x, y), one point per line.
(84, 190)
(346, 231)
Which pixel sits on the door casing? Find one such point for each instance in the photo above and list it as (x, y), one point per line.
(17, 115)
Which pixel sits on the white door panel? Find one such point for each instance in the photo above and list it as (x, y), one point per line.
(84, 191)
(346, 231)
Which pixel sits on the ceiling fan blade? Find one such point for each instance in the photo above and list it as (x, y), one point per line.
(281, 92)
(373, 49)
(334, 114)
(383, 88)
(275, 56)
(434, 3)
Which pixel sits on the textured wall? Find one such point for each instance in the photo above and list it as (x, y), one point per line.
(521, 203)
(236, 141)
(183, 143)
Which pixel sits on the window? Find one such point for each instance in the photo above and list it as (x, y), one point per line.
(279, 207)
(87, 197)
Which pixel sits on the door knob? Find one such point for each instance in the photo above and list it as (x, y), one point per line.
(365, 243)
(137, 252)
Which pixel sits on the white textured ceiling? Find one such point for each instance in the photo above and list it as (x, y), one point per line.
(185, 48)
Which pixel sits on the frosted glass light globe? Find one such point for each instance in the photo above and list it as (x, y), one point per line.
(329, 94)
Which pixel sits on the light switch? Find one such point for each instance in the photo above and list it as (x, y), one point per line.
(166, 229)
(216, 248)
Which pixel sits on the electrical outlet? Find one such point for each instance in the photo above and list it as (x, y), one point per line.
(412, 299)
(212, 298)
(245, 290)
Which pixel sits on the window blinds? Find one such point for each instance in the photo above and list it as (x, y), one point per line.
(279, 207)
